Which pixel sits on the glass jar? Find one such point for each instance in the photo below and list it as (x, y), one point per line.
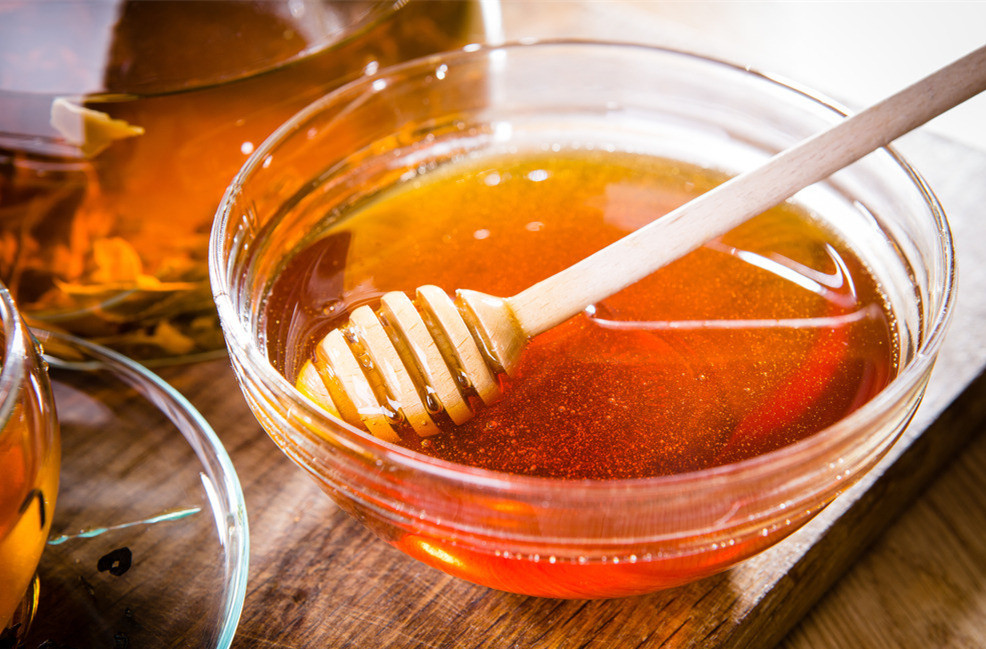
(122, 122)
(29, 468)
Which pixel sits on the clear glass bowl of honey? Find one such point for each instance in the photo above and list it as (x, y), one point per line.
(122, 122)
(666, 433)
(30, 455)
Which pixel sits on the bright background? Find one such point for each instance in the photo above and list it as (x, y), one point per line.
(857, 52)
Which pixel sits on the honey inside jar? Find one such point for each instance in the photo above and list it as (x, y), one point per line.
(122, 122)
(29, 466)
(757, 339)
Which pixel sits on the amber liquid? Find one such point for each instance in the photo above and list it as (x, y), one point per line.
(112, 245)
(29, 465)
(758, 339)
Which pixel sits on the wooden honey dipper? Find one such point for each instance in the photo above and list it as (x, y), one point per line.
(412, 359)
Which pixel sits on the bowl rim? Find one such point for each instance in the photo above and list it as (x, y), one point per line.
(243, 347)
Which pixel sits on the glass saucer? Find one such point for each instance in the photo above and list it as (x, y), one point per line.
(149, 542)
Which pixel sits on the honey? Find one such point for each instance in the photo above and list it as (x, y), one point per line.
(29, 465)
(758, 339)
(121, 124)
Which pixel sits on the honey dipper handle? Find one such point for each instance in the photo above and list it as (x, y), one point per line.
(563, 295)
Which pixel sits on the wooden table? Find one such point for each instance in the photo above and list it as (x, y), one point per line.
(317, 578)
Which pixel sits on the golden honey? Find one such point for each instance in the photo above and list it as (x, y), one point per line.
(29, 465)
(760, 338)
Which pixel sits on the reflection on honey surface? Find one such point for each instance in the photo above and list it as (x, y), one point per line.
(758, 339)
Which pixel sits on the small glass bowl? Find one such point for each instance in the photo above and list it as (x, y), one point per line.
(150, 543)
(30, 454)
(549, 537)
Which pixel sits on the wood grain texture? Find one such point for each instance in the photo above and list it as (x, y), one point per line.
(923, 583)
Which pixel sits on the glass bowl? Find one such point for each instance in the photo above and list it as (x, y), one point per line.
(149, 546)
(553, 537)
(30, 454)
(121, 124)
